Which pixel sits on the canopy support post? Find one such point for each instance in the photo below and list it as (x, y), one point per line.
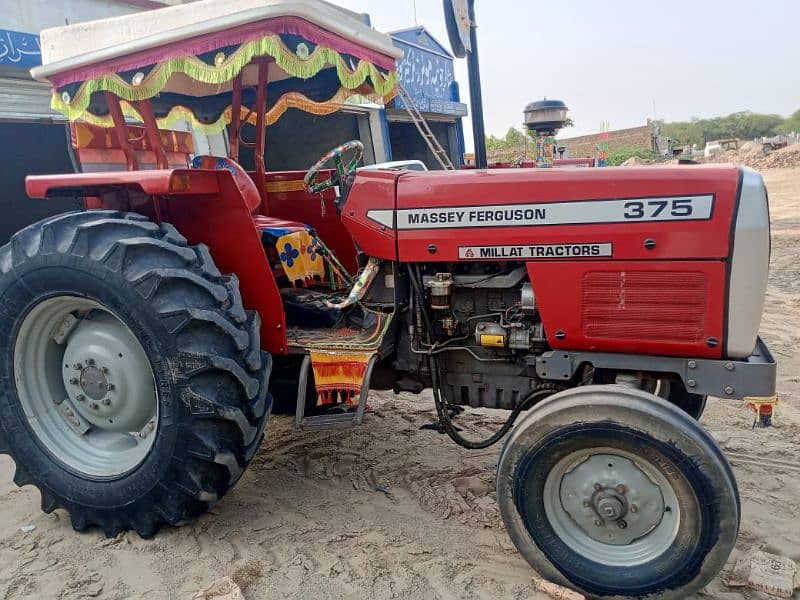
(120, 129)
(236, 118)
(261, 133)
(151, 129)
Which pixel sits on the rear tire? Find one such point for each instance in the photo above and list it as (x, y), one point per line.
(616, 492)
(209, 376)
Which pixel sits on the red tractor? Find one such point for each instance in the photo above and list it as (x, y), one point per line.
(599, 306)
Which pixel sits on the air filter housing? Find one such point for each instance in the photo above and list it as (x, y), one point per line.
(545, 116)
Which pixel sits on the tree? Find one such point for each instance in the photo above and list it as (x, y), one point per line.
(792, 124)
(508, 148)
(741, 125)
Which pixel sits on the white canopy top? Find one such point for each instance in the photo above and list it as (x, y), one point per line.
(75, 46)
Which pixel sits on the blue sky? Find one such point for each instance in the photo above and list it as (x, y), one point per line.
(610, 61)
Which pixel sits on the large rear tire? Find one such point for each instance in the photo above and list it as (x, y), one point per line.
(133, 390)
(616, 492)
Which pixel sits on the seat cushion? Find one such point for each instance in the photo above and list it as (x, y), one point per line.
(243, 181)
(277, 227)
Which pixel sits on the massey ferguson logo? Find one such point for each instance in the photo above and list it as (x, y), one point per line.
(487, 215)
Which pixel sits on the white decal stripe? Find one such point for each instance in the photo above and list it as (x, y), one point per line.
(384, 217)
(631, 210)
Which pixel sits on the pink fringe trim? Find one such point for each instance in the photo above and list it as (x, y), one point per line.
(213, 41)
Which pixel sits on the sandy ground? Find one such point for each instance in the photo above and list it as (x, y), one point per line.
(388, 510)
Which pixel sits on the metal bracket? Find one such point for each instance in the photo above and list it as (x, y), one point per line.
(62, 330)
(754, 376)
(73, 418)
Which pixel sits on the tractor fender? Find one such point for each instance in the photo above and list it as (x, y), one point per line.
(150, 183)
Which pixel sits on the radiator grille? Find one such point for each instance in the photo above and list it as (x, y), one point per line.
(647, 305)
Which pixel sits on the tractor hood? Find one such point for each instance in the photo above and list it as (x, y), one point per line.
(681, 253)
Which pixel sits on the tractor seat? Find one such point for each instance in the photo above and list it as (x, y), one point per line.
(249, 192)
(287, 243)
(278, 225)
(242, 180)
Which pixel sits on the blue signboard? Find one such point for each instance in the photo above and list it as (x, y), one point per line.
(21, 50)
(426, 72)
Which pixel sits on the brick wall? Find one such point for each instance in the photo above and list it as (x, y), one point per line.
(586, 145)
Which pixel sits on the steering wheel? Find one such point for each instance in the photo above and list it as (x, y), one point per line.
(342, 171)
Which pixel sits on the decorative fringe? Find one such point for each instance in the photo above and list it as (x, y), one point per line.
(196, 69)
(339, 376)
(289, 100)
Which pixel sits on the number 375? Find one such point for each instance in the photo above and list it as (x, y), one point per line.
(652, 209)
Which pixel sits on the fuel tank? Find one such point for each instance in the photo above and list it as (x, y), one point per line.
(620, 259)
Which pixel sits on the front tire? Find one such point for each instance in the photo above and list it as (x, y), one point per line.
(616, 492)
(133, 391)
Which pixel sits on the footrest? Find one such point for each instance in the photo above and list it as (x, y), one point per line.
(333, 420)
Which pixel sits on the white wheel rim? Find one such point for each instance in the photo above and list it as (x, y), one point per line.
(611, 507)
(86, 386)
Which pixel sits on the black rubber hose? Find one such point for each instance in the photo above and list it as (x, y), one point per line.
(441, 410)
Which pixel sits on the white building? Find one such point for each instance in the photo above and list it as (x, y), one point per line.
(33, 138)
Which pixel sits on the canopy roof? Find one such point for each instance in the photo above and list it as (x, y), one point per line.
(187, 53)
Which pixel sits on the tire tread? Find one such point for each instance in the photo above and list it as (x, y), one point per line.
(222, 430)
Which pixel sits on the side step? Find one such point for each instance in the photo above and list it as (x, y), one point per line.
(335, 420)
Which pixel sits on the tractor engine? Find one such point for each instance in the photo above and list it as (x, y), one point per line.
(486, 332)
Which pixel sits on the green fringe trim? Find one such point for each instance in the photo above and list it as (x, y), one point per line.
(182, 113)
(193, 67)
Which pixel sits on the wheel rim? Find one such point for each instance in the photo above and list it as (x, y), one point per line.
(612, 507)
(86, 386)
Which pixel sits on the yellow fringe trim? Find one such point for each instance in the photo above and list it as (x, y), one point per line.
(225, 72)
(287, 101)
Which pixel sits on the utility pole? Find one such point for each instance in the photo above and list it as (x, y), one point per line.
(475, 94)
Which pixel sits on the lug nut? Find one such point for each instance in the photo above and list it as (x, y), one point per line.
(110, 387)
(104, 370)
(597, 486)
(634, 508)
(90, 362)
(106, 401)
(94, 406)
(80, 398)
(621, 489)
(78, 367)
(622, 524)
(73, 381)
(586, 504)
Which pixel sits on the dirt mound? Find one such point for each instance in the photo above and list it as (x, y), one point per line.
(785, 157)
(635, 161)
(755, 158)
(748, 146)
